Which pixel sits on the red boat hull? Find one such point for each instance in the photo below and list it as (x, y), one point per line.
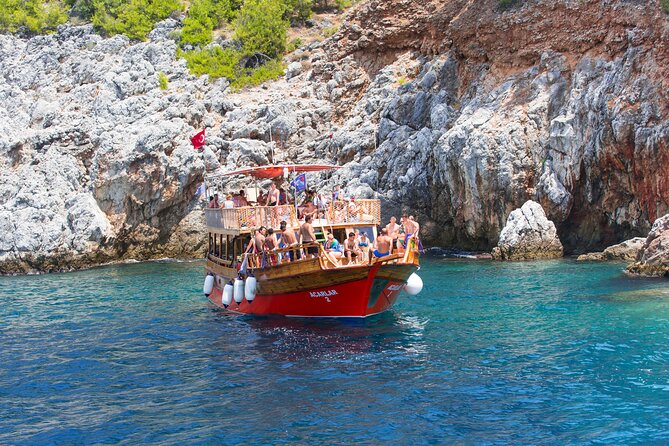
(374, 294)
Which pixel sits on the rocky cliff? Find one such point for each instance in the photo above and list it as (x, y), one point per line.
(96, 165)
(458, 110)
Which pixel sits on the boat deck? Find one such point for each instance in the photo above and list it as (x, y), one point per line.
(337, 214)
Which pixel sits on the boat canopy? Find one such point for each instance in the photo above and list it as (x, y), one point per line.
(278, 170)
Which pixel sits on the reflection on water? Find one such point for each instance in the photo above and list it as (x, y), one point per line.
(295, 339)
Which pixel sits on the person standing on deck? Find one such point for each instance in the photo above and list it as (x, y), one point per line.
(273, 201)
(273, 196)
(288, 237)
(393, 230)
(271, 244)
(321, 204)
(416, 229)
(307, 236)
(382, 244)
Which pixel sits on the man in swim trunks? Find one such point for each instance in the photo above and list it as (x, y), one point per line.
(393, 231)
(307, 236)
(382, 244)
(351, 248)
(288, 237)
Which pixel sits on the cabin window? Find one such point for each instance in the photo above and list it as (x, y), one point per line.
(340, 234)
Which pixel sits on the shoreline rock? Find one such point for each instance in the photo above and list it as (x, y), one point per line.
(653, 259)
(528, 235)
(627, 251)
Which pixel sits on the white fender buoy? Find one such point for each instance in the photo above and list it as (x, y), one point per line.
(414, 284)
(250, 288)
(208, 285)
(227, 295)
(239, 290)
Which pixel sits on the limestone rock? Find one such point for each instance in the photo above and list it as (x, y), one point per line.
(93, 154)
(653, 259)
(293, 69)
(625, 251)
(591, 257)
(528, 235)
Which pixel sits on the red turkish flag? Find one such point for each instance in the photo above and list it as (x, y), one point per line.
(198, 140)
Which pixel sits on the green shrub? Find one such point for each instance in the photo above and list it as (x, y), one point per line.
(198, 26)
(81, 8)
(251, 77)
(216, 62)
(665, 5)
(506, 3)
(294, 44)
(261, 27)
(36, 16)
(330, 31)
(203, 17)
(134, 18)
(343, 4)
(324, 5)
(298, 10)
(225, 62)
(163, 81)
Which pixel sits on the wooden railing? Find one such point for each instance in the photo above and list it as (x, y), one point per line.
(355, 211)
(338, 212)
(283, 255)
(250, 217)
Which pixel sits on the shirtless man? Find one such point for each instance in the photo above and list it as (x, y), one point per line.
(273, 196)
(393, 230)
(411, 227)
(288, 236)
(309, 210)
(271, 245)
(256, 245)
(351, 248)
(382, 244)
(307, 236)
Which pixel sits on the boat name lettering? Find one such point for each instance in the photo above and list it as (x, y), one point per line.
(394, 287)
(327, 293)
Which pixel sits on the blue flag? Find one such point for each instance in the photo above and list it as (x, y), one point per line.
(299, 183)
(200, 190)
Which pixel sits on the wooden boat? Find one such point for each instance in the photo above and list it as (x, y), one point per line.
(268, 283)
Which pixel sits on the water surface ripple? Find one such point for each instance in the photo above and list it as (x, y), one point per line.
(490, 353)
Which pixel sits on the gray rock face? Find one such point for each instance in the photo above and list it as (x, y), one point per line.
(528, 235)
(627, 251)
(457, 126)
(96, 159)
(463, 156)
(653, 260)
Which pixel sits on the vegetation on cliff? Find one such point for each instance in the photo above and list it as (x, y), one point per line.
(256, 29)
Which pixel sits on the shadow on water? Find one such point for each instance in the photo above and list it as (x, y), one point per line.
(294, 339)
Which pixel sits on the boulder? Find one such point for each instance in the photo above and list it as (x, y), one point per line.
(293, 69)
(626, 251)
(528, 235)
(653, 260)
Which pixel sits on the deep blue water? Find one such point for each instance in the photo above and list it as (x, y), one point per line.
(490, 353)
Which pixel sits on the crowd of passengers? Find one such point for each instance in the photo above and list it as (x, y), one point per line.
(313, 204)
(356, 248)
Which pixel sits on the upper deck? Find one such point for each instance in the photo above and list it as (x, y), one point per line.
(338, 213)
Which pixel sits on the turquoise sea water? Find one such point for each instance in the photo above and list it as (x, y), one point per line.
(490, 353)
